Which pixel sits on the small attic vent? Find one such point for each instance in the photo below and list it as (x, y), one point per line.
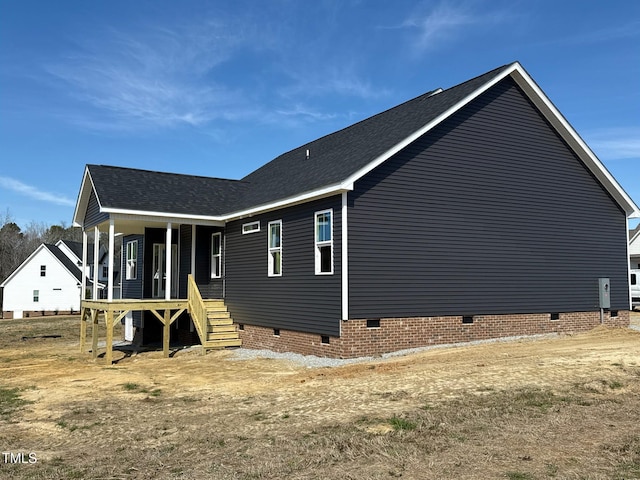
(436, 91)
(306, 156)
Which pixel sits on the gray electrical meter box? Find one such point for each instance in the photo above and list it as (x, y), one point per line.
(604, 292)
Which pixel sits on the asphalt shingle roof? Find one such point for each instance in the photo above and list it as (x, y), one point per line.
(67, 262)
(332, 159)
(149, 191)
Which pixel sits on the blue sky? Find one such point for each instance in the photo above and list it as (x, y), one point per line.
(218, 88)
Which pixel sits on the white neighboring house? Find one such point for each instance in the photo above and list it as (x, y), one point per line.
(49, 281)
(634, 259)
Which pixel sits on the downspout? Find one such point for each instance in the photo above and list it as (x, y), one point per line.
(345, 261)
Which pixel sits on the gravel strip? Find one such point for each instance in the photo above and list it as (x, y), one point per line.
(311, 361)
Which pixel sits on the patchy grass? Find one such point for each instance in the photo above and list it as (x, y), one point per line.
(10, 401)
(563, 408)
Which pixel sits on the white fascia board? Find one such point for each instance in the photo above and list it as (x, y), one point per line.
(144, 216)
(14, 273)
(83, 198)
(577, 144)
(291, 201)
(64, 267)
(64, 248)
(436, 121)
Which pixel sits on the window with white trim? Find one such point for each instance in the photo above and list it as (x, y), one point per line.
(43, 270)
(252, 227)
(275, 248)
(36, 296)
(216, 255)
(324, 242)
(132, 260)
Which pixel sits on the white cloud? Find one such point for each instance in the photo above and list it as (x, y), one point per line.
(615, 143)
(153, 78)
(445, 22)
(302, 112)
(34, 192)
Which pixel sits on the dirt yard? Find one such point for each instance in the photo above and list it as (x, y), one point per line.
(558, 407)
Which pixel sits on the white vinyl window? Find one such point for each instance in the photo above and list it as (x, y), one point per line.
(132, 260)
(275, 248)
(252, 227)
(43, 270)
(36, 296)
(324, 242)
(216, 255)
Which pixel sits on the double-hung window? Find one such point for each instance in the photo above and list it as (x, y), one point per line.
(324, 242)
(132, 260)
(275, 249)
(36, 296)
(216, 255)
(43, 270)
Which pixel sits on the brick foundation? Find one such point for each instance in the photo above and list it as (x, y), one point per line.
(8, 314)
(401, 333)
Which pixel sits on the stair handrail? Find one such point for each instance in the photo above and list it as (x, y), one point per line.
(197, 309)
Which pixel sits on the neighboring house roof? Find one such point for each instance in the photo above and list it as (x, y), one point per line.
(76, 249)
(68, 264)
(326, 166)
(634, 234)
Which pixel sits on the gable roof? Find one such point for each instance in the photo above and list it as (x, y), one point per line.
(130, 190)
(634, 234)
(334, 161)
(68, 264)
(76, 250)
(340, 155)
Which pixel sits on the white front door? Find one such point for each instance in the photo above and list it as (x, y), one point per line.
(160, 270)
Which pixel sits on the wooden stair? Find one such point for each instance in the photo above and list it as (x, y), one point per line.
(221, 332)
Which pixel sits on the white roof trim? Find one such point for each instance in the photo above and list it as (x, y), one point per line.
(535, 94)
(40, 247)
(30, 257)
(118, 214)
(177, 217)
(577, 144)
(287, 202)
(520, 76)
(436, 121)
(83, 198)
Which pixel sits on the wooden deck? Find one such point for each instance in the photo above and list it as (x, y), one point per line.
(113, 311)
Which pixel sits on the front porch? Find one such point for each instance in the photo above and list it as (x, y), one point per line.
(210, 317)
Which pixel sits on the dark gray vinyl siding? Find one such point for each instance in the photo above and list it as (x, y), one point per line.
(93, 216)
(488, 213)
(209, 287)
(298, 300)
(132, 288)
(184, 262)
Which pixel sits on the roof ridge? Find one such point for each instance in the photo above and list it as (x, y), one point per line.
(429, 94)
(435, 93)
(173, 174)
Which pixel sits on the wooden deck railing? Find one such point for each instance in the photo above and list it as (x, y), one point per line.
(197, 309)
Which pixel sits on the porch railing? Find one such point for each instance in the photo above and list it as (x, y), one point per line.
(197, 309)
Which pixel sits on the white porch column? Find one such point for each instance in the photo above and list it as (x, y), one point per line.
(193, 251)
(84, 264)
(167, 281)
(112, 232)
(96, 252)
